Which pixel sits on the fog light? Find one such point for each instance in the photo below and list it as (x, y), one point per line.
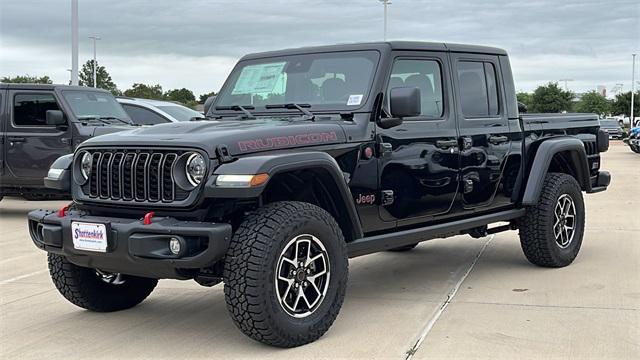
(174, 246)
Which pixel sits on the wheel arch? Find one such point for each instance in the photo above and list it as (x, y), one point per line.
(313, 177)
(559, 154)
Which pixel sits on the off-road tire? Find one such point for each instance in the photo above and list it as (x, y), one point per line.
(84, 287)
(536, 227)
(404, 248)
(250, 269)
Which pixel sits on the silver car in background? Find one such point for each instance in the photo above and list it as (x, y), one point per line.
(152, 112)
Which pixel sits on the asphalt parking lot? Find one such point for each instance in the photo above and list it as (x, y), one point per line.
(396, 307)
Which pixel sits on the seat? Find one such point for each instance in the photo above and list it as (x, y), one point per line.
(473, 95)
(427, 95)
(334, 90)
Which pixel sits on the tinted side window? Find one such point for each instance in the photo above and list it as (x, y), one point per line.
(478, 89)
(426, 76)
(31, 109)
(143, 116)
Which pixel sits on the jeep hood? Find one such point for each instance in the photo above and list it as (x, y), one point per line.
(239, 136)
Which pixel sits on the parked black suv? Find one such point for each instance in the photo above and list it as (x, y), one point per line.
(39, 123)
(312, 156)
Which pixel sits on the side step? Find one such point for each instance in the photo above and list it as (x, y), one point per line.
(373, 244)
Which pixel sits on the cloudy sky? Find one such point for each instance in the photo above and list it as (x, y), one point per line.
(194, 43)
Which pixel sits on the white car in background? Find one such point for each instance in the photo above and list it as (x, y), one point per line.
(151, 112)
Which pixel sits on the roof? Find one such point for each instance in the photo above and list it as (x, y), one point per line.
(46, 87)
(146, 101)
(389, 45)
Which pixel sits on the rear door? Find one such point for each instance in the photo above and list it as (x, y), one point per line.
(419, 159)
(483, 125)
(32, 145)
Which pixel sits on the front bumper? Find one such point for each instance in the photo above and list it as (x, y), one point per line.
(134, 248)
(600, 182)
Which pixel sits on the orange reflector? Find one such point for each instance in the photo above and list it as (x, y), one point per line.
(259, 179)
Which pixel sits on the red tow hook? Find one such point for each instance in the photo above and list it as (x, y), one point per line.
(63, 210)
(147, 218)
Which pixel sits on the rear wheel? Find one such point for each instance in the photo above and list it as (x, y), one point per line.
(98, 290)
(551, 232)
(286, 274)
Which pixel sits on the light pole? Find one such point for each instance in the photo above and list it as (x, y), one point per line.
(566, 88)
(386, 3)
(633, 87)
(95, 62)
(74, 42)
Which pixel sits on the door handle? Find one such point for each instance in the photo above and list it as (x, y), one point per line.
(445, 144)
(16, 139)
(495, 140)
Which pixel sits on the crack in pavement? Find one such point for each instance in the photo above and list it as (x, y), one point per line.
(443, 305)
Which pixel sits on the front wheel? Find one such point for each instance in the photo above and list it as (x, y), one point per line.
(285, 274)
(97, 290)
(551, 232)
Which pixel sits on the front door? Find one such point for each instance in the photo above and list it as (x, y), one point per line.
(32, 145)
(484, 130)
(419, 159)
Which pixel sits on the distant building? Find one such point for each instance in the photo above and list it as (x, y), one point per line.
(602, 90)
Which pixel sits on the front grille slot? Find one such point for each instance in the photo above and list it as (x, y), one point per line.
(134, 176)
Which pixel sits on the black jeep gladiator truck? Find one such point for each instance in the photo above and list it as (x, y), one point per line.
(312, 156)
(41, 122)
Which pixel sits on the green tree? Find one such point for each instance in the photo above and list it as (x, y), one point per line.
(621, 105)
(203, 97)
(145, 91)
(103, 79)
(27, 79)
(183, 95)
(551, 98)
(593, 102)
(525, 98)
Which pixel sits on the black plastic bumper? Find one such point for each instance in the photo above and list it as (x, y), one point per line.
(600, 182)
(134, 248)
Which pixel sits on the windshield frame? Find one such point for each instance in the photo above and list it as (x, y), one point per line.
(315, 108)
(79, 117)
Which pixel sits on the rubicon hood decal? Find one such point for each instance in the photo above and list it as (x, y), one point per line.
(287, 141)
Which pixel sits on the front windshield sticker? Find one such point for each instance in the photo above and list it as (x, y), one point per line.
(261, 78)
(354, 99)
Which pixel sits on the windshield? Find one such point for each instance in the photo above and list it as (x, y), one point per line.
(93, 104)
(327, 81)
(180, 113)
(609, 123)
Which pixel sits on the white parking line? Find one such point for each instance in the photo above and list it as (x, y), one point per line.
(445, 303)
(7, 281)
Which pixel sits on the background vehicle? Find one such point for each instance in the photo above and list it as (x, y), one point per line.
(612, 127)
(319, 154)
(634, 137)
(39, 123)
(151, 112)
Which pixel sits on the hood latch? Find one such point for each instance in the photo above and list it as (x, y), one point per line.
(222, 152)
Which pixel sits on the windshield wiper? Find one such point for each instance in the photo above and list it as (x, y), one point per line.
(308, 115)
(85, 118)
(115, 118)
(243, 108)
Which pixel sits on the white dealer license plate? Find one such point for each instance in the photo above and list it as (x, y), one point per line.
(89, 236)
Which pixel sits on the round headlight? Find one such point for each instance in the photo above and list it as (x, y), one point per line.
(85, 165)
(196, 168)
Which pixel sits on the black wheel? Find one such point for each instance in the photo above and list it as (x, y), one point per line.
(635, 148)
(404, 248)
(285, 274)
(551, 232)
(96, 290)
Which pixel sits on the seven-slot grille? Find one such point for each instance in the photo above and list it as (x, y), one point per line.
(133, 175)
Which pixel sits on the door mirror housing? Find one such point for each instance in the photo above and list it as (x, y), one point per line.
(55, 118)
(208, 103)
(405, 102)
(522, 108)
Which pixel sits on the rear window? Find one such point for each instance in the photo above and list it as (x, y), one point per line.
(478, 90)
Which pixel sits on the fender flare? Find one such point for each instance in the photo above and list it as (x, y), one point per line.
(543, 156)
(62, 179)
(274, 164)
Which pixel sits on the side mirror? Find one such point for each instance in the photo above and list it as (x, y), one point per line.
(55, 118)
(405, 102)
(208, 103)
(522, 108)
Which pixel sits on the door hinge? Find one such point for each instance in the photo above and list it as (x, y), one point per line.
(223, 154)
(387, 197)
